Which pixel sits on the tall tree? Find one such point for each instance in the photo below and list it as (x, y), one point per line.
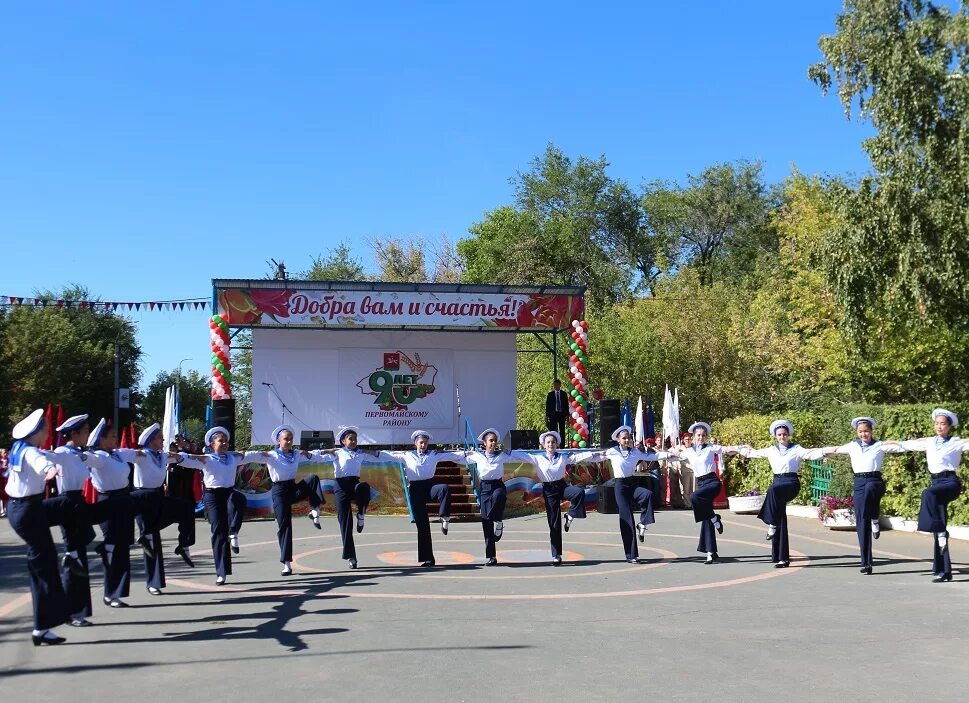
(903, 66)
(399, 260)
(338, 265)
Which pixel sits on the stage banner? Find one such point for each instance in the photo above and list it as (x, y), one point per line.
(255, 307)
(397, 388)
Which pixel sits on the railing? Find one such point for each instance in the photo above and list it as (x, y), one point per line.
(403, 480)
(820, 480)
(470, 443)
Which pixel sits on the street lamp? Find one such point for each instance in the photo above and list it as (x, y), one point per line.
(178, 377)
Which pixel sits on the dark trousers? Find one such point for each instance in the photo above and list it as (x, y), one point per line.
(629, 494)
(420, 493)
(868, 492)
(934, 516)
(181, 483)
(118, 526)
(553, 492)
(31, 519)
(284, 495)
(556, 422)
(707, 490)
(154, 511)
(225, 508)
(783, 490)
(492, 495)
(350, 489)
(77, 586)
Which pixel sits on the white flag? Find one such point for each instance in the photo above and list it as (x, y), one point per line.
(676, 412)
(669, 431)
(168, 423)
(640, 425)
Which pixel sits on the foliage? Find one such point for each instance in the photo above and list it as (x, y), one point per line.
(903, 66)
(339, 265)
(399, 260)
(65, 356)
(194, 395)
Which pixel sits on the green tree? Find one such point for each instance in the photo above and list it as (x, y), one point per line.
(339, 265)
(399, 260)
(903, 66)
(65, 355)
(194, 392)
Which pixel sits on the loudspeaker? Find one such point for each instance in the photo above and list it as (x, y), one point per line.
(224, 415)
(609, 422)
(606, 501)
(316, 439)
(521, 439)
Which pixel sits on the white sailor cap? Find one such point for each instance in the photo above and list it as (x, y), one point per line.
(71, 423)
(858, 420)
(620, 430)
(281, 429)
(490, 430)
(29, 425)
(697, 425)
(95, 437)
(776, 424)
(420, 433)
(214, 431)
(345, 431)
(942, 412)
(550, 433)
(148, 433)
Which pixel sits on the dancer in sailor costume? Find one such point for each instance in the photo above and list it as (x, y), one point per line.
(492, 494)
(943, 453)
(551, 468)
(347, 461)
(702, 459)
(419, 468)
(72, 473)
(154, 510)
(109, 474)
(785, 460)
(224, 506)
(624, 458)
(283, 463)
(867, 455)
(31, 517)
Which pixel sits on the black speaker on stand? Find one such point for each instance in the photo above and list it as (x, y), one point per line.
(316, 439)
(609, 420)
(521, 439)
(224, 415)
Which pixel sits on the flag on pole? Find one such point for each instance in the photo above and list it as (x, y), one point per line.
(650, 420)
(640, 426)
(60, 421)
(676, 412)
(168, 423)
(627, 415)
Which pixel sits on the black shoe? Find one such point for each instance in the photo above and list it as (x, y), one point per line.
(866, 570)
(101, 551)
(445, 523)
(183, 553)
(80, 622)
(428, 564)
(712, 559)
(876, 533)
(491, 562)
(147, 546)
(352, 563)
(73, 565)
(234, 544)
(634, 560)
(940, 578)
(316, 522)
(567, 523)
(154, 591)
(556, 561)
(117, 603)
(499, 531)
(286, 571)
(41, 641)
(641, 531)
(782, 564)
(360, 521)
(719, 524)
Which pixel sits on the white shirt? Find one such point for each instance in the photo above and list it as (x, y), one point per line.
(346, 463)
(703, 459)
(783, 460)
(151, 467)
(109, 472)
(283, 466)
(29, 476)
(219, 470)
(942, 454)
(548, 468)
(623, 461)
(490, 467)
(866, 458)
(72, 469)
(420, 467)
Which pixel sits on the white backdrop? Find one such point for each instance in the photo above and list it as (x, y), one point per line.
(332, 378)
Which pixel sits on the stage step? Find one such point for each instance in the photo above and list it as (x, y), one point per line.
(464, 506)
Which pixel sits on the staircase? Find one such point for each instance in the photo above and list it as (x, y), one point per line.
(464, 506)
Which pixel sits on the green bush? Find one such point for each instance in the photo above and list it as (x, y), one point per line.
(906, 475)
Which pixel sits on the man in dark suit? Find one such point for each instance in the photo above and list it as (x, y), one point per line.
(557, 409)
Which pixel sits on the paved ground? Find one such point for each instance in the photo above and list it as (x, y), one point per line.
(593, 630)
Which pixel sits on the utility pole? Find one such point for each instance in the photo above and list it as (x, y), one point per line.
(117, 381)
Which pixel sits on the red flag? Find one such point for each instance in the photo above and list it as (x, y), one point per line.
(197, 485)
(60, 421)
(123, 438)
(49, 416)
(132, 435)
(90, 494)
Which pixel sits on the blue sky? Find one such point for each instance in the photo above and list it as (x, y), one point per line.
(148, 148)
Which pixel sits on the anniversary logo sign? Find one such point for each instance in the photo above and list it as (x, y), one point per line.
(389, 389)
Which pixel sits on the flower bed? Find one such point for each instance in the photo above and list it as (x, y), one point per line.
(749, 503)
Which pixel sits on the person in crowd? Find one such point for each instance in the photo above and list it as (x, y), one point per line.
(943, 453)
(556, 408)
(702, 459)
(224, 506)
(785, 457)
(419, 468)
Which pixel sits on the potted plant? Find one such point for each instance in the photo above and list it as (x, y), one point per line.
(836, 510)
(750, 502)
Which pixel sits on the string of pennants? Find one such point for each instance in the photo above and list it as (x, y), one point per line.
(152, 305)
